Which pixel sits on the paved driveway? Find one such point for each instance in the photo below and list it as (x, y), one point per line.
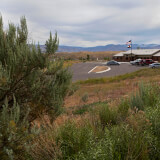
(80, 70)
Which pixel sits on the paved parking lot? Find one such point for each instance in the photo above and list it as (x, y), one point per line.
(80, 70)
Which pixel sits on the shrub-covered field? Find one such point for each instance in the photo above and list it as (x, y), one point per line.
(129, 130)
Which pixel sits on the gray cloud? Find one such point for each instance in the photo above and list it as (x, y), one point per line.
(87, 22)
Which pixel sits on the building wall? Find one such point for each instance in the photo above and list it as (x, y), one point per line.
(128, 59)
(156, 58)
(123, 58)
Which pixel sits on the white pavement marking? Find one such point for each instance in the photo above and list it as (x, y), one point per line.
(92, 69)
(105, 70)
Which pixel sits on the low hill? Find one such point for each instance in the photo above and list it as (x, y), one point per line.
(109, 47)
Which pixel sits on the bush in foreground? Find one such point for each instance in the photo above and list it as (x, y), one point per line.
(36, 81)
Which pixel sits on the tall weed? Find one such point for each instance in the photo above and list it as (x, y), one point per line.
(146, 96)
(153, 114)
(123, 108)
(108, 117)
(129, 144)
(73, 139)
(97, 149)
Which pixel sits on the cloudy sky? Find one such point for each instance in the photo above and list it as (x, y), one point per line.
(87, 22)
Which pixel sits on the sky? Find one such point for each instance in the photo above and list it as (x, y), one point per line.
(87, 23)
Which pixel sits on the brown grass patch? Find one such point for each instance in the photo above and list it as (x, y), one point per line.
(70, 63)
(106, 91)
(83, 55)
(100, 68)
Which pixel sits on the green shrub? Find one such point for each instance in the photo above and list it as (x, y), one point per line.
(136, 101)
(82, 109)
(146, 96)
(153, 114)
(107, 58)
(73, 139)
(84, 98)
(88, 57)
(72, 89)
(14, 133)
(108, 117)
(149, 94)
(129, 144)
(44, 145)
(80, 58)
(87, 107)
(97, 149)
(123, 109)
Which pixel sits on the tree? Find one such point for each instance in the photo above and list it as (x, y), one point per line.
(36, 82)
(52, 44)
(88, 57)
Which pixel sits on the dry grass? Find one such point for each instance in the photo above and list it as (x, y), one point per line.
(99, 92)
(106, 91)
(100, 68)
(70, 63)
(83, 55)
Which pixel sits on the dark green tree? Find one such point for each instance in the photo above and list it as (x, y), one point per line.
(36, 82)
(88, 57)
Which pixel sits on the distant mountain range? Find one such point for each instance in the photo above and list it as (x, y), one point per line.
(109, 47)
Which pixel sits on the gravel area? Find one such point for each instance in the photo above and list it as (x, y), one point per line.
(80, 70)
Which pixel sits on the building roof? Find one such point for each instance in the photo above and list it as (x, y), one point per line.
(140, 52)
(119, 54)
(157, 54)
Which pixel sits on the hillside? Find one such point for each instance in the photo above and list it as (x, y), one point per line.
(109, 47)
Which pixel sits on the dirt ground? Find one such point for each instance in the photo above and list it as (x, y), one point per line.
(106, 91)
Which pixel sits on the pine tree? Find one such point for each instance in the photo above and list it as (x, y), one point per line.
(36, 82)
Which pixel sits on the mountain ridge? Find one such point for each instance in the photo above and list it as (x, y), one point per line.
(109, 47)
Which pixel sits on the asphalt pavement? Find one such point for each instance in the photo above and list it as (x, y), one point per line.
(80, 70)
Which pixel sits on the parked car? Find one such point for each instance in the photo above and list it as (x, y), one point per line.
(112, 62)
(154, 65)
(135, 62)
(146, 62)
